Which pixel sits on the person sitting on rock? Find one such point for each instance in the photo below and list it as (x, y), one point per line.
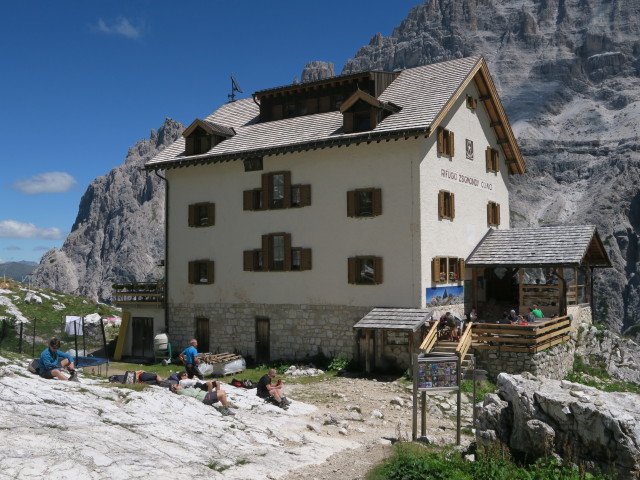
(268, 391)
(206, 395)
(52, 360)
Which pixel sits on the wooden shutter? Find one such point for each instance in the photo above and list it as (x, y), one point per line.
(441, 140)
(266, 191)
(441, 203)
(435, 269)
(210, 271)
(305, 195)
(325, 104)
(192, 215)
(276, 112)
(266, 252)
(351, 203)
(287, 251)
(452, 150)
(312, 105)
(377, 201)
(189, 145)
(287, 189)
(452, 198)
(192, 272)
(488, 158)
(305, 259)
(377, 269)
(347, 122)
(497, 219)
(352, 270)
(489, 213)
(211, 214)
(247, 260)
(247, 200)
(461, 269)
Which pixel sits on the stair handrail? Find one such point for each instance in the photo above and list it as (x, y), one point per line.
(430, 339)
(465, 342)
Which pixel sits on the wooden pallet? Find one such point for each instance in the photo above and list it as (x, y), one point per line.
(221, 358)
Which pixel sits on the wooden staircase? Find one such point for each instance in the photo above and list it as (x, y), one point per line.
(433, 346)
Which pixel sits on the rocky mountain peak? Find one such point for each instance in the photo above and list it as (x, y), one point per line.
(313, 71)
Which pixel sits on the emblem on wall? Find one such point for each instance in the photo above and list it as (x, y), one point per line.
(469, 149)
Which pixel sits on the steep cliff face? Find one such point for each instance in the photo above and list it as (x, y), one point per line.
(567, 73)
(118, 234)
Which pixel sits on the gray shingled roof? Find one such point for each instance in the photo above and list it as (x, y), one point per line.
(394, 319)
(570, 245)
(421, 92)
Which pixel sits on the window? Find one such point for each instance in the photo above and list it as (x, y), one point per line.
(493, 214)
(445, 142)
(277, 254)
(493, 160)
(277, 192)
(201, 272)
(199, 141)
(365, 270)
(447, 269)
(472, 102)
(252, 164)
(364, 202)
(446, 204)
(202, 214)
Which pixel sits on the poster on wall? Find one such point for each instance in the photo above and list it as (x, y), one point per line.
(437, 373)
(440, 296)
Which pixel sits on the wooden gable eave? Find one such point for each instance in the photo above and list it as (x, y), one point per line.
(194, 125)
(499, 121)
(595, 254)
(359, 95)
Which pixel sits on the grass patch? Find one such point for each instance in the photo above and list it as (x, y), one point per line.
(217, 466)
(482, 388)
(594, 374)
(415, 461)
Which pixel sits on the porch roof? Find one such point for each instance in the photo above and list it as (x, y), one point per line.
(567, 245)
(394, 319)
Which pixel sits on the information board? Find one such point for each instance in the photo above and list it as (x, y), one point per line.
(436, 373)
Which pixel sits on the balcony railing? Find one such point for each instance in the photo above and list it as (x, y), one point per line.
(141, 292)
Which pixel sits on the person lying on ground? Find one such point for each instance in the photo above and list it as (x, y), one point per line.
(208, 396)
(148, 377)
(52, 361)
(267, 390)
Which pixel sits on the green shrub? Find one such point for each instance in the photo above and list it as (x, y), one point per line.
(338, 363)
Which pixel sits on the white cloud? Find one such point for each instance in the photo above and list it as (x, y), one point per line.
(13, 248)
(51, 182)
(13, 229)
(121, 26)
(40, 248)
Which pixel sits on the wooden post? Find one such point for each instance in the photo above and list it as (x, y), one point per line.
(423, 414)
(520, 292)
(367, 343)
(459, 413)
(414, 425)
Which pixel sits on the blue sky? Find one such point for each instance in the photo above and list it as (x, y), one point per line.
(82, 81)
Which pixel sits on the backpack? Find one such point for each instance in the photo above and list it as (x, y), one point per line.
(248, 384)
(129, 377)
(34, 365)
(116, 379)
(168, 382)
(236, 383)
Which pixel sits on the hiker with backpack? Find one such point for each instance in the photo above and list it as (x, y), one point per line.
(52, 361)
(189, 357)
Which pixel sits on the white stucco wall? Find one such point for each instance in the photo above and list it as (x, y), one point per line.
(458, 237)
(323, 226)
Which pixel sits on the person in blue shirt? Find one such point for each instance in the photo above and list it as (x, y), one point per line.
(190, 358)
(52, 361)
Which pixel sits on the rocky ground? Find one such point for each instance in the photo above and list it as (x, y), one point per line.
(337, 428)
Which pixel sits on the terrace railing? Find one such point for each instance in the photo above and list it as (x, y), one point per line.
(521, 338)
(140, 292)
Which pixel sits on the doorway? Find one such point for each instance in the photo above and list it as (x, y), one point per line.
(263, 340)
(142, 337)
(202, 334)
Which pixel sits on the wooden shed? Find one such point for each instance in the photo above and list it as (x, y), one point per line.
(551, 267)
(389, 336)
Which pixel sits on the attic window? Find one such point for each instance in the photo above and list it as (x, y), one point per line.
(198, 142)
(472, 102)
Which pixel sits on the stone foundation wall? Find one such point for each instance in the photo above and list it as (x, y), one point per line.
(295, 330)
(554, 362)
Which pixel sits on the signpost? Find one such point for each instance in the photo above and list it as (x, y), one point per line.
(434, 373)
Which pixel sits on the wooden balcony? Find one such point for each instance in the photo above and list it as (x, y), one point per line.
(142, 293)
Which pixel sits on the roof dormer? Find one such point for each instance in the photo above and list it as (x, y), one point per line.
(362, 112)
(202, 135)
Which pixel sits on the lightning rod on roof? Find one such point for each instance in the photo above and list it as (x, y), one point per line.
(235, 87)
